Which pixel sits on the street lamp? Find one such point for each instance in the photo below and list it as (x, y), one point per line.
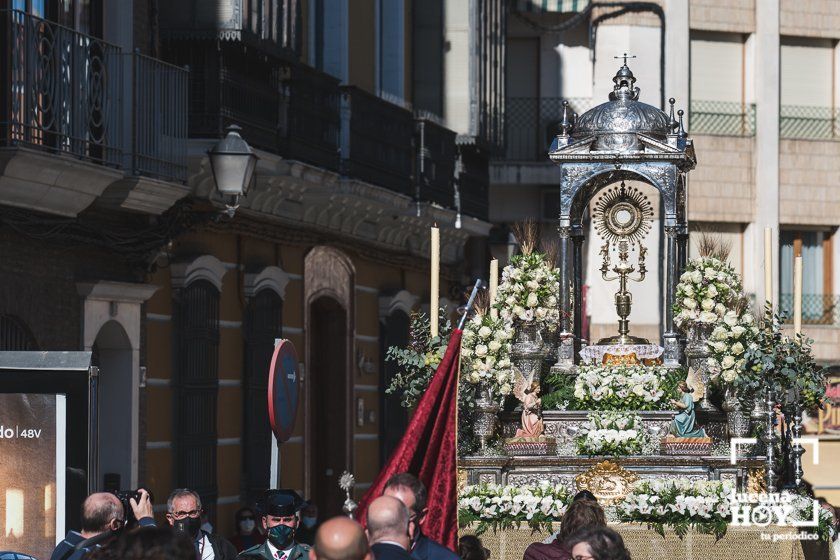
(232, 162)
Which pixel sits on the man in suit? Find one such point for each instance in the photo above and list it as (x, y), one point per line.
(387, 529)
(183, 512)
(408, 489)
(340, 538)
(280, 518)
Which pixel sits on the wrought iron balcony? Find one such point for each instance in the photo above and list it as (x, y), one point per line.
(62, 90)
(376, 140)
(160, 119)
(722, 118)
(532, 122)
(817, 309)
(815, 123)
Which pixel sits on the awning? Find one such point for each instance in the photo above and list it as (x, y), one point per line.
(558, 6)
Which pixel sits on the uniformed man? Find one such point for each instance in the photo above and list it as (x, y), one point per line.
(280, 511)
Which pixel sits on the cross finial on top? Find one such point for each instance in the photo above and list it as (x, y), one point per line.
(625, 56)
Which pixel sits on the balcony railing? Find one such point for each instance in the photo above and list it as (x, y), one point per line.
(376, 140)
(532, 122)
(817, 309)
(722, 118)
(62, 90)
(817, 123)
(160, 119)
(435, 167)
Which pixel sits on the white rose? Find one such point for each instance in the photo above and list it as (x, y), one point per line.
(730, 318)
(727, 362)
(711, 291)
(494, 345)
(689, 303)
(719, 333)
(707, 317)
(729, 376)
(719, 346)
(532, 284)
(707, 305)
(720, 309)
(505, 389)
(541, 313)
(639, 390)
(532, 300)
(481, 350)
(738, 330)
(737, 348)
(710, 273)
(485, 332)
(688, 291)
(518, 310)
(696, 276)
(685, 277)
(747, 319)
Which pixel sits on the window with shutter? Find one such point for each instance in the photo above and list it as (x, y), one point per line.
(263, 325)
(196, 386)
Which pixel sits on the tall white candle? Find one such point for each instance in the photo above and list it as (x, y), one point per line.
(797, 295)
(494, 286)
(768, 265)
(434, 302)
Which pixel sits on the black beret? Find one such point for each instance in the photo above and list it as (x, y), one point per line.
(282, 503)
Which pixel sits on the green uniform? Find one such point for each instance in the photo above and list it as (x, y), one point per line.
(298, 552)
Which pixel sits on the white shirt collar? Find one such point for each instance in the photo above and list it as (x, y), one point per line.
(276, 551)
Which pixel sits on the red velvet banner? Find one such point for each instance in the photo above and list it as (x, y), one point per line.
(429, 450)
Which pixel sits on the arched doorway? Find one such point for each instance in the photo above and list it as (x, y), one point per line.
(112, 353)
(328, 402)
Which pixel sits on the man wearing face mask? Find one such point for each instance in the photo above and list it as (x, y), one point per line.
(280, 518)
(308, 525)
(183, 512)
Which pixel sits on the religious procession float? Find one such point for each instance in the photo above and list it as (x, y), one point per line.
(647, 427)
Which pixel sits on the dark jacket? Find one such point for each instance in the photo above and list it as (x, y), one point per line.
(543, 551)
(388, 551)
(222, 548)
(427, 549)
(67, 549)
(299, 552)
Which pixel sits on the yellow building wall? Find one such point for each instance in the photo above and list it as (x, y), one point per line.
(241, 254)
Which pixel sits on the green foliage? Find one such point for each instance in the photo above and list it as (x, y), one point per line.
(418, 361)
(562, 396)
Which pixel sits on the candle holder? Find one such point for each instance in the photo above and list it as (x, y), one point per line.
(770, 439)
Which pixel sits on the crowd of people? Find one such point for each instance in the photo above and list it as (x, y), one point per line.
(284, 526)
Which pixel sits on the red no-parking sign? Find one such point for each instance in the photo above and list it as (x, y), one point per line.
(283, 384)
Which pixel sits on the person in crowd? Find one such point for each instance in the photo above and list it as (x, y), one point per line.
(585, 495)
(470, 548)
(340, 538)
(308, 524)
(597, 543)
(247, 534)
(387, 529)
(103, 517)
(280, 511)
(410, 491)
(148, 543)
(183, 512)
(582, 513)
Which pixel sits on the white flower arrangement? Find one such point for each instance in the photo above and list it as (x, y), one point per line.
(611, 433)
(727, 343)
(492, 505)
(621, 387)
(485, 354)
(529, 291)
(706, 290)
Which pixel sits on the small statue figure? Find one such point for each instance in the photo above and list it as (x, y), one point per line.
(532, 424)
(684, 425)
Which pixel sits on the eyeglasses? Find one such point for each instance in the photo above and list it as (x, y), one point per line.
(183, 514)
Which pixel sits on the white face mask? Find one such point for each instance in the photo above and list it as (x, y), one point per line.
(309, 522)
(246, 526)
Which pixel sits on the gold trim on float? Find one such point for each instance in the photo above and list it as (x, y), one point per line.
(608, 481)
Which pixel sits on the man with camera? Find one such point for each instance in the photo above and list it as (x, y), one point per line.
(183, 511)
(103, 517)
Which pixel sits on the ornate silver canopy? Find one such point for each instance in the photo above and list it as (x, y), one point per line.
(622, 139)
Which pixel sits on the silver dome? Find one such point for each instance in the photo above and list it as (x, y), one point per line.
(616, 123)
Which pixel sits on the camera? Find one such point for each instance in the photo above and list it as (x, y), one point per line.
(125, 496)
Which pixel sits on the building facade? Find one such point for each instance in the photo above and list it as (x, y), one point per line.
(369, 130)
(759, 85)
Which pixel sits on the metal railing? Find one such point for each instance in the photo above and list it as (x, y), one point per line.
(62, 90)
(160, 119)
(376, 140)
(818, 123)
(817, 309)
(722, 118)
(435, 164)
(532, 122)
